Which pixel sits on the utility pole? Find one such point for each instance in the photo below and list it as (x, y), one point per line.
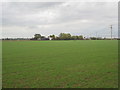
(111, 31)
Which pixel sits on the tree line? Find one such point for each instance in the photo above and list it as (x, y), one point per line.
(62, 36)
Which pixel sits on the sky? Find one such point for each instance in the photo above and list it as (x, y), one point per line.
(24, 19)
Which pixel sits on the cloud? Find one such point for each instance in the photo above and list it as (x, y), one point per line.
(55, 17)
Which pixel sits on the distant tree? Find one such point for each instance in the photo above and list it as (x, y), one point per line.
(62, 36)
(42, 38)
(99, 38)
(52, 36)
(80, 37)
(68, 36)
(57, 38)
(74, 37)
(77, 37)
(93, 38)
(37, 36)
(65, 36)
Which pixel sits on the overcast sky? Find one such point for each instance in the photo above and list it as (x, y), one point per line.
(24, 19)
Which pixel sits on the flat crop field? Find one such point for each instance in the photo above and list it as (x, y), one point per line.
(60, 64)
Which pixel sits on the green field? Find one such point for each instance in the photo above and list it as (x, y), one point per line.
(60, 64)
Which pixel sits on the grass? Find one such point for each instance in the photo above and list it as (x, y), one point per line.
(60, 64)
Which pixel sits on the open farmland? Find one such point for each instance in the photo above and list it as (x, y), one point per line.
(60, 64)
